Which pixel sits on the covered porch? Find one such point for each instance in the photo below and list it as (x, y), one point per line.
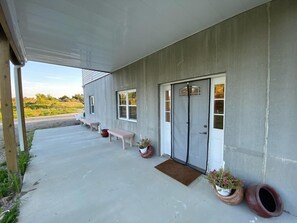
(143, 45)
(75, 175)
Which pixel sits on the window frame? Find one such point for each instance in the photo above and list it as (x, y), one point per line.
(91, 104)
(167, 110)
(126, 92)
(217, 113)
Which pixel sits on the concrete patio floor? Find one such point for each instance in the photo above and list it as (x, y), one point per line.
(75, 175)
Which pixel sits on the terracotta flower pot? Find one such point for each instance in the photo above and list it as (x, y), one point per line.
(104, 133)
(149, 153)
(234, 198)
(264, 200)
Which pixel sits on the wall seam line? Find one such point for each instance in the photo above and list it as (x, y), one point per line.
(265, 149)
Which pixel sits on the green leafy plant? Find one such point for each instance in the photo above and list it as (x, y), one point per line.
(15, 182)
(12, 215)
(9, 183)
(143, 143)
(24, 159)
(5, 188)
(224, 179)
(30, 138)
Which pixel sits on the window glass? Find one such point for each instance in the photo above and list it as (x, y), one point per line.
(132, 113)
(132, 98)
(122, 99)
(218, 121)
(167, 95)
(218, 107)
(219, 91)
(123, 112)
(167, 117)
(167, 106)
(92, 104)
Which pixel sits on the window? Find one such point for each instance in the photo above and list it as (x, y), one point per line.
(92, 104)
(167, 105)
(219, 100)
(127, 105)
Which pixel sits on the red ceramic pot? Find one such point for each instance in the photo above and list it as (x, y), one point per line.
(104, 133)
(264, 200)
(235, 197)
(149, 152)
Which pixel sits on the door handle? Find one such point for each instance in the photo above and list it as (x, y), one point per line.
(204, 133)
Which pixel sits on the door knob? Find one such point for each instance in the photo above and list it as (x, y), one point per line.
(204, 133)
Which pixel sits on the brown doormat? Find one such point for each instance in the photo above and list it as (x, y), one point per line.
(179, 172)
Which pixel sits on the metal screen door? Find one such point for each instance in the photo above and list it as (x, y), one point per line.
(190, 114)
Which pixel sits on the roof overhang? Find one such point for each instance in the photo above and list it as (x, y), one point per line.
(10, 28)
(107, 35)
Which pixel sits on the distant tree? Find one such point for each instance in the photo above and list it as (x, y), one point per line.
(51, 98)
(40, 98)
(79, 97)
(64, 98)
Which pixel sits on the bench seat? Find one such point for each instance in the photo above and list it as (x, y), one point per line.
(90, 122)
(122, 134)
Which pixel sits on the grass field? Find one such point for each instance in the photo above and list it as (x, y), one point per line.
(44, 105)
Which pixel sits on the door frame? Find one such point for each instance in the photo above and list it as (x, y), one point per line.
(165, 131)
(161, 111)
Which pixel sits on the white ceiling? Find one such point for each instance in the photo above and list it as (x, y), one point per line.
(106, 35)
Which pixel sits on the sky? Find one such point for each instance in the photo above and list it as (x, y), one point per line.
(41, 78)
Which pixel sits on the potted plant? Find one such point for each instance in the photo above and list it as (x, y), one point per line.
(143, 144)
(223, 181)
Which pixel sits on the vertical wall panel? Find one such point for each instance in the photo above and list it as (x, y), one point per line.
(281, 152)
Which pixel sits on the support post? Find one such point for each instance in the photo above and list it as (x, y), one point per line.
(6, 106)
(20, 109)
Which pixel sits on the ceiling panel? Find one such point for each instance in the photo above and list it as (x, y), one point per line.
(106, 35)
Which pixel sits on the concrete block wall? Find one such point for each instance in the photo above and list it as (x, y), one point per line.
(258, 52)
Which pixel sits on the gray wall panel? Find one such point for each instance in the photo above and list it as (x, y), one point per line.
(282, 140)
(283, 90)
(246, 80)
(281, 174)
(244, 164)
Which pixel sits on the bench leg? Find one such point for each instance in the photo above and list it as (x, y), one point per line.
(123, 140)
(109, 137)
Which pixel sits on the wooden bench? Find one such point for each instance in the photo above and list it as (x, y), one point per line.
(90, 122)
(122, 134)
